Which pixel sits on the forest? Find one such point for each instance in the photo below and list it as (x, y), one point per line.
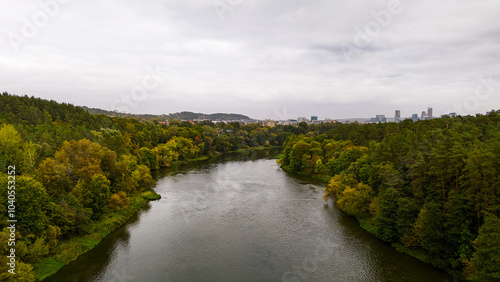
(430, 188)
(75, 172)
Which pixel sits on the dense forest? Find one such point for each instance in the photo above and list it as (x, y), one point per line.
(73, 170)
(431, 188)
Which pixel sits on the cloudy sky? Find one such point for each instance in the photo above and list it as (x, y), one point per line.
(267, 59)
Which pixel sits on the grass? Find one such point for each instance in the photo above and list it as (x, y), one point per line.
(69, 250)
(260, 148)
(151, 195)
(177, 163)
(323, 178)
(368, 225)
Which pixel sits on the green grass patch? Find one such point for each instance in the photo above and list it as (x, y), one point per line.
(151, 196)
(69, 250)
(178, 163)
(322, 178)
(368, 225)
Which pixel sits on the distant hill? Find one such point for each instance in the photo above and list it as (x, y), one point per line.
(217, 116)
(181, 115)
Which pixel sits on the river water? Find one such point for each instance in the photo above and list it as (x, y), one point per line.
(242, 219)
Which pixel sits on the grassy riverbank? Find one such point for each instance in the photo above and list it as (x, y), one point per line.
(260, 148)
(69, 250)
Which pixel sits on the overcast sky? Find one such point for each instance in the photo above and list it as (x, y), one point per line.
(266, 59)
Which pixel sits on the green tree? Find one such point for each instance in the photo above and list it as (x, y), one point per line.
(356, 200)
(387, 218)
(143, 178)
(10, 147)
(94, 194)
(53, 176)
(486, 259)
(433, 234)
(31, 202)
(407, 214)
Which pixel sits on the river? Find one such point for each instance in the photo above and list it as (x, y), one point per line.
(242, 219)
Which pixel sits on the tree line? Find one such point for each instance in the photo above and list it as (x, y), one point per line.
(431, 187)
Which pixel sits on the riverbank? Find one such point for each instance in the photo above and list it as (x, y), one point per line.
(67, 251)
(422, 255)
(368, 225)
(240, 218)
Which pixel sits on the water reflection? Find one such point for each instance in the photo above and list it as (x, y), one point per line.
(243, 221)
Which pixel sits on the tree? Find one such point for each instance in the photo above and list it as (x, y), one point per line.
(148, 158)
(31, 202)
(30, 157)
(433, 235)
(52, 175)
(10, 147)
(387, 218)
(481, 175)
(143, 178)
(94, 194)
(113, 139)
(456, 248)
(486, 259)
(300, 149)
(118, 201)
(356, 200)
(407, 214)
(82, 159)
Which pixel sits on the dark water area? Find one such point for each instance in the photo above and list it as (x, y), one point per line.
(241, 218)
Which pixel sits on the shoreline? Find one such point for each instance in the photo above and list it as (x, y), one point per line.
(71, 249)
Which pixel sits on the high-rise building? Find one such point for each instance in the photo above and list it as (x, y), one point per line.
(414, 117)
(313, 118)
(429, 113)
(397, 116)
(423, 115)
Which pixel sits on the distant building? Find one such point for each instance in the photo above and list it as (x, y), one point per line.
(269, 123)
(414, 117)
(302, 119)
(423, 115)
(313, 118)
(397, 116)
(378, 118)
(452, 115)
(429, 113)
(381, 118)
(329, 120)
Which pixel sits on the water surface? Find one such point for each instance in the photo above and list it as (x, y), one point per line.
(236, 220)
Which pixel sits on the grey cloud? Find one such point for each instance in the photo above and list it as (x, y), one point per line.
(263, 56)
